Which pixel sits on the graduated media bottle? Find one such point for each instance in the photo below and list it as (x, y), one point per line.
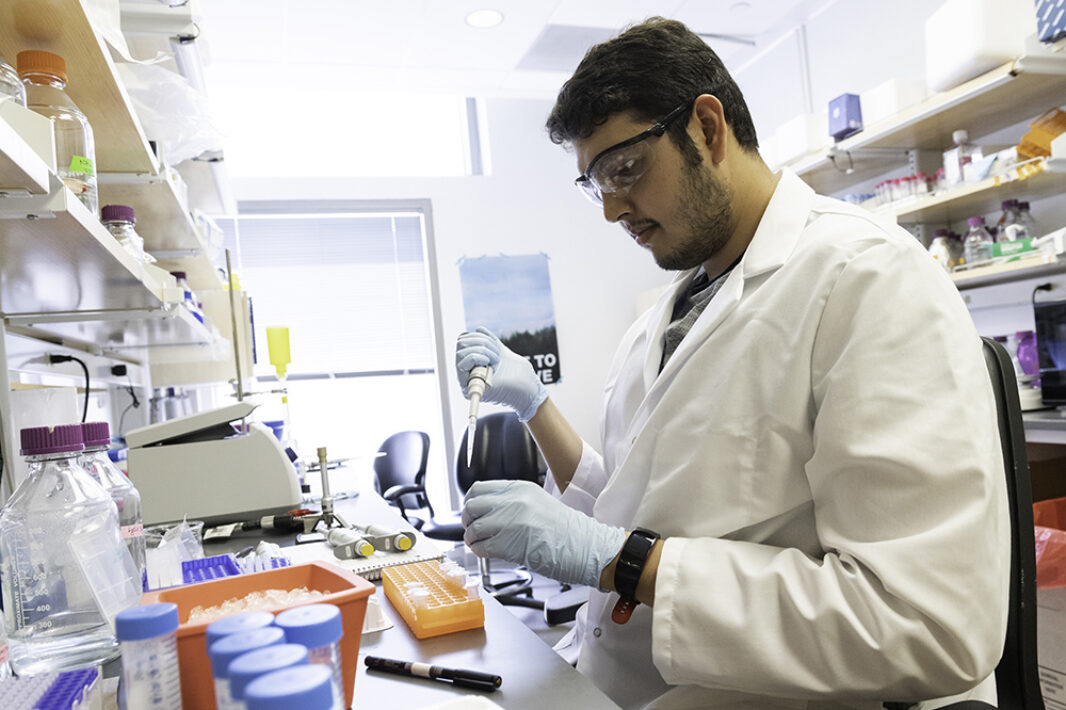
(977, 245)
(127, 500)
(119, 220)
(45, 76)
(53, 622)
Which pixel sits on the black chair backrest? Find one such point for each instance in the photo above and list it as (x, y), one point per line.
(1017, 676)
(404, 464)
(503, 450)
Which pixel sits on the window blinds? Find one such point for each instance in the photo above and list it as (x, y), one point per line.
(351, 287)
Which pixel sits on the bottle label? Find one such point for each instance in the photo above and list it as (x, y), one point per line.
(79, 164)
(131, 531)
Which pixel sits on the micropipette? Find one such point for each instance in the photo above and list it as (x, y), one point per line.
(479, 379)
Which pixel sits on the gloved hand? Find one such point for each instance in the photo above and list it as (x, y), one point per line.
(520, 522)
(514, 383)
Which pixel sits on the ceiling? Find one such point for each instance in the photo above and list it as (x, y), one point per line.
(426, 45)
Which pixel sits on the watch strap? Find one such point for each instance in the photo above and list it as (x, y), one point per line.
(627, 571)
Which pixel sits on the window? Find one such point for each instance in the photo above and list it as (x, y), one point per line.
(355, 287)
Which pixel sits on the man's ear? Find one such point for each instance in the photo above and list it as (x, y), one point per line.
(711, 119)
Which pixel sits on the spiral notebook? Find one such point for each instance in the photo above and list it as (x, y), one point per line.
(368, 568)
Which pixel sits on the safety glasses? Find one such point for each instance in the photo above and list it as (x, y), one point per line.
(617, 168)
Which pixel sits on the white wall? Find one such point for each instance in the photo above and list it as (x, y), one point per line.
(528, 205)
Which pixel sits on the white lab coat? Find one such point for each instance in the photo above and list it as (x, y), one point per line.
(822, 455)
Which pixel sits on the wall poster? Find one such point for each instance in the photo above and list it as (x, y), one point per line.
(511, 296)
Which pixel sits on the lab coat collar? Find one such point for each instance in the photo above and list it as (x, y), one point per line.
(780, 227)
(774, 240)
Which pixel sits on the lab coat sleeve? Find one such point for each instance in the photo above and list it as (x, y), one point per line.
(909, 598)
(589, 479)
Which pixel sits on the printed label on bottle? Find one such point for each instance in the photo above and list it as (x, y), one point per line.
(4, 654)
(129, 531)
(79, 164)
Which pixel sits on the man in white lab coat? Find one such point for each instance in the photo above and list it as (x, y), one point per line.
(798, 500)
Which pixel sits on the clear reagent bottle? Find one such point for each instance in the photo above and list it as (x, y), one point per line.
(235, 623)
(149, 642)
(227, 649)
(127, 500)
(978, 242)
(45, 77)
(244, 669)
(119, 220)
(10, 85)
(319, 627)
(53, 621)
(305, 687)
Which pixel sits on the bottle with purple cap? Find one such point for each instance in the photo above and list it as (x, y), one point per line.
(52, 618)
(127, 500)
(978, 243)
(119, 220)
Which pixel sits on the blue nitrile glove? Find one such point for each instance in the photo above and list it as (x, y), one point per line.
(514, 383)
(520, 522)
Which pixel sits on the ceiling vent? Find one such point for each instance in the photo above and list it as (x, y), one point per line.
(559, 48)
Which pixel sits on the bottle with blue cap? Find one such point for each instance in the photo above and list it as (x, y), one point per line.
(235, 623)
(305, 687)
(227, 649)
(319, 627)
(148, 638)
(244, 669)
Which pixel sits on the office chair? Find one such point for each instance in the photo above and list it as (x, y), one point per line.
(1017, 680)
(400, 475)
(503, 450)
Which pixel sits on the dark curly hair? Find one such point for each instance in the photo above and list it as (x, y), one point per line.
(648, 70)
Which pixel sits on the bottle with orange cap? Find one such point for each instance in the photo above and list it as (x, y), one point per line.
(45, 76)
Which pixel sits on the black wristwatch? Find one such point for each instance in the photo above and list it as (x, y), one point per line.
(631, 561)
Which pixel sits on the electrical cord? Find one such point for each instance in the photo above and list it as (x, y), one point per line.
(53, 359)
(1041, 287)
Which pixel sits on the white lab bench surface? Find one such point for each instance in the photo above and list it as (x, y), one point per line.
(534, 676)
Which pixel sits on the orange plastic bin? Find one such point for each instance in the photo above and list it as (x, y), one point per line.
(339, 586)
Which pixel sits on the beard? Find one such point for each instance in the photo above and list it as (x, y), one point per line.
(705, 216)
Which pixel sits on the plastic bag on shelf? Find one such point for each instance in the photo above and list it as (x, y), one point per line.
(1049, 518)
(172, 112)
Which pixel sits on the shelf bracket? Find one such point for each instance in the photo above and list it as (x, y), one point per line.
(23, 214)
(30, 319)
(129, 179)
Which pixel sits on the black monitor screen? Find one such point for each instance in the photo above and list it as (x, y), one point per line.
(1050, 320)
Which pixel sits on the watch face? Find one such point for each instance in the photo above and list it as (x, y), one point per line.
(631, 561)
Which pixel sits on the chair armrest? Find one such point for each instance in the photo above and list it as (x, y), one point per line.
(562, 607)
(397, 491)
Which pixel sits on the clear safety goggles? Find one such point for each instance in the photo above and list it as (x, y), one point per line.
(617, 168)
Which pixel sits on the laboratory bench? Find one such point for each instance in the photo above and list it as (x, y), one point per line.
(534, 676)
(1045, 426)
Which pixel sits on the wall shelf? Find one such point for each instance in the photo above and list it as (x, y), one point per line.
(1030, 182)
(1027, 266)
(62, 27)
(128, 171)
(22, 172)
(56, 257)
(116, 331)
(1017, 91)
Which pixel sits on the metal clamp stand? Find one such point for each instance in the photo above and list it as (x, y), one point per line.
(327, 516)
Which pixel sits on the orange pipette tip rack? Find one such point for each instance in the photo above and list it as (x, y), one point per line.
(443, 608)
